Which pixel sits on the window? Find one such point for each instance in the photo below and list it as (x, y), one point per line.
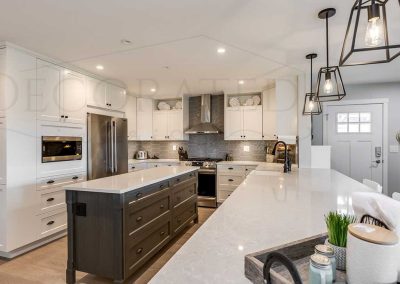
(353, 122)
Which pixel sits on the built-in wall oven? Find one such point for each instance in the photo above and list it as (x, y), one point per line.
(61, 148)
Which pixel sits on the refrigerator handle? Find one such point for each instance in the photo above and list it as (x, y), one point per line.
(112, 146)
(115, 148)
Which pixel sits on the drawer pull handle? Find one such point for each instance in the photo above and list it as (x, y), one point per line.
(139, 194)
(75, 177)
(230, 168)
(139, 251)
(178, 179)
(50, 223)
(161, 186)
(50, 181)
(50, 199)
(162, 206)
(138, 219)
(133, 167)
(230, 179)
(162, 233)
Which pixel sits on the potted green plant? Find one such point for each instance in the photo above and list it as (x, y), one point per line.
(337, 225)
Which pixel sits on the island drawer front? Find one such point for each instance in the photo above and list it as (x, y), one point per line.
(60, 181)
(183, 214)
(231, 170)
(143, 212)
(230, 180)
(52, 200)
(179, 179)
(53, 223)
(183, 191)
(145, 243)
(139, 194)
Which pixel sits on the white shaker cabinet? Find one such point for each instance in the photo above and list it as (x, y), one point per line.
(280, 110)
(144, 119)
(115, 97)
(160, 125)
(175, 125)
(130, 114)
(96, 93)
(73, 97)
(243, 123)
(168, 125)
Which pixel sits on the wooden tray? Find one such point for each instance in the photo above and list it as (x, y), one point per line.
(299, 252)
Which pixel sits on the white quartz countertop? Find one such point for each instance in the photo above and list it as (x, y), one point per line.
(130, 181)
(135, 161)
(268, 209)
(239, 163)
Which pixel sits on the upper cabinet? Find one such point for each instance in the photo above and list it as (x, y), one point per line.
(115, 97)
(105, 95)
(280, 110)
(243, 117)
(130, 114)
(144, 111)
(168, 125)
(61, 94)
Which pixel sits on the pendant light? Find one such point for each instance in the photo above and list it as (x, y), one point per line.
(330, 84)
(311, 105)
(367, 37)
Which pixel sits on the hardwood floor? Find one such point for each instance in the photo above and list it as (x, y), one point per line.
(47, 264)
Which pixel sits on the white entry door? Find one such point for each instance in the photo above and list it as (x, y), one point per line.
(355, 133)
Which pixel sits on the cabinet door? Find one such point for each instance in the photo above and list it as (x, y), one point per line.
(144, 119)
(115, 97)
(233, 123)
(175, 125)
(269, 114)
(252, 123)
(73, 96)
(96, 93)
(130, 114)
(160, 125)
(3, 147)
(286, 107)
(48, 91)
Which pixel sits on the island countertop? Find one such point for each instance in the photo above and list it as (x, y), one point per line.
(127, 182)
(268, 209)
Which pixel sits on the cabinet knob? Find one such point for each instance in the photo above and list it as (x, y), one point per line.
(230, 168)
(230, 179)
(66, 116)
(139, 251)
(139, 194)
(138, 219)
(50, 199)
(161, 186)
(162, 233)
(162, 206)
(62, 116)
(75, 177)
(133, 167)
(50, 181)
(50, 223)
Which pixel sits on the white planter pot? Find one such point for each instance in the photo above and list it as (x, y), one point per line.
(340, 255)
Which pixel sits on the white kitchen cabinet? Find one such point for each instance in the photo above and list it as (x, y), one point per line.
(130, 114)
(115, 97)
(144, 119)
(160, 125)
(243, 123)
(73, 97)
(3, 148)
(96, 93)
(168, 125)
(175, 125)
(280, 110)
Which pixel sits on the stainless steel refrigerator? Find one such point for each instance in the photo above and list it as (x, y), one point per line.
(107, 146)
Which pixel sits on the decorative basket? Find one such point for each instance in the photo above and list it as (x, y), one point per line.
(340, 255)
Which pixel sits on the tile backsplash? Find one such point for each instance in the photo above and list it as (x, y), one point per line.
(212, 145)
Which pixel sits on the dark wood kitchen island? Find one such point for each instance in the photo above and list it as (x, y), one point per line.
(116, 224)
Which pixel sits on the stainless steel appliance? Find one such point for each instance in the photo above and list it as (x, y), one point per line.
(207, 183)
(107, 146)
(61, 148)
(141, 155)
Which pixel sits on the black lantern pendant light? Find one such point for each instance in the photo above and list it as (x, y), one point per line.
(367, 37)
(311, 105)
(330, 84)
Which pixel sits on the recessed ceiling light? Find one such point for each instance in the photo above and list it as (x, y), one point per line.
(153, 90)
(100, 67)
(126, 41)
(221, 50)
(241, 82)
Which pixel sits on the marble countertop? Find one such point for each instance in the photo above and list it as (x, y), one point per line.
(268, 209)
(239, 163)
(127, 182)
(135, 161)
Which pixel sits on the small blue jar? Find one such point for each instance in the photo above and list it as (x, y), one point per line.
(328, 252)
(320, 270)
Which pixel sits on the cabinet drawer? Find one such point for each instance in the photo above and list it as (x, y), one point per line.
(249, 169)
(183, 191)
(59, 181)
(143, 212)
(52, 200)
(145, 243)
(230, 180)
(224, 194)
(53, 223)
(182, 178)
(231, 169)
(183, 214)
(136, 195)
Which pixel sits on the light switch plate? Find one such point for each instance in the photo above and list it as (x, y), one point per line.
(246, 148)
(394, 148)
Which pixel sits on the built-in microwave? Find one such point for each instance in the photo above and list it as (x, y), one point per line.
(61, 148)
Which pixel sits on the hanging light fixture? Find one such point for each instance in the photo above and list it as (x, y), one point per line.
(330, 85)
(311, 105)
(367, 37)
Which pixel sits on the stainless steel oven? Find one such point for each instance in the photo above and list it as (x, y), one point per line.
(61, 148)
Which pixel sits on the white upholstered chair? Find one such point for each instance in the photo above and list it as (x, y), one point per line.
(396, 196)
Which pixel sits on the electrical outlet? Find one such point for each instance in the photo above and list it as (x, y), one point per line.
(174, 147)
(246, 148)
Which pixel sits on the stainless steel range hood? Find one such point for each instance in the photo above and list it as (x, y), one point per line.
(205, 127)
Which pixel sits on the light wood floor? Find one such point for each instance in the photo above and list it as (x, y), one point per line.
(47, 264)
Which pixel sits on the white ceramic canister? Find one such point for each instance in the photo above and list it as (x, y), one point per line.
(371, 255)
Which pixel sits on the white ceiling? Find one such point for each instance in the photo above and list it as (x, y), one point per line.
(264, 39)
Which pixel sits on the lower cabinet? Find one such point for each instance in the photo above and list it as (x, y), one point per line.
(113, 235)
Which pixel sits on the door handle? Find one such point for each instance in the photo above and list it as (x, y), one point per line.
(115, 147)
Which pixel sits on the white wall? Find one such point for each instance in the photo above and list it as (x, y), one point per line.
(373, 91)
(304, 125)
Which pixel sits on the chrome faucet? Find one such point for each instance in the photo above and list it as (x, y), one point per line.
(287, 166)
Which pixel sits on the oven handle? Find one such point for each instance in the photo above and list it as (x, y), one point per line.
(207, 172)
